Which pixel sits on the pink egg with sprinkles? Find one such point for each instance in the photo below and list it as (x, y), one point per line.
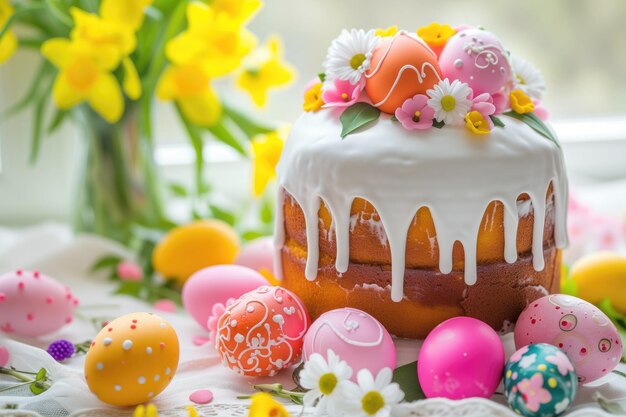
(477, 58)
(217, 284)
(355, 336)
(33, 304)
(575, 326)
(258, 255)
(461, 358)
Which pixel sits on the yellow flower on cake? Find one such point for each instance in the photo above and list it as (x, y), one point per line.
(265, 69)
(476, 123)
(128, 12)
(214, 39)
(313, 98)
(386, 33)
(264, 405)
(85, 75)
(266, 150)
(8, 41)
(191, 88)
(520, 102)
(238, 10)
(436, 35)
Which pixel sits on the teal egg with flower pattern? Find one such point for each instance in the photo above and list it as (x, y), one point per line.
(540, 381)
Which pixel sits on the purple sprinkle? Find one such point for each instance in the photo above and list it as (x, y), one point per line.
(61, 350)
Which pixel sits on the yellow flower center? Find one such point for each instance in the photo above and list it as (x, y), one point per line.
(416, 116)
(344, 96)
(478, 123)
(448, 103)
(520, 80)
(82, 73)
(372, 402)
(357, 60)
(190, 80)
(327, 383)
(227, 43)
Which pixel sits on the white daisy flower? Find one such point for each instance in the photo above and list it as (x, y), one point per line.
(350, 54)
(371, 397)
(450, 101)
(325, 381)
(527, 77)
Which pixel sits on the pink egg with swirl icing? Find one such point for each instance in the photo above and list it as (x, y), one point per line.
(477, 58)
(261, 333)
(355, 336)
(258, 255)
(575, 326)
(33, 304)
(217, 284)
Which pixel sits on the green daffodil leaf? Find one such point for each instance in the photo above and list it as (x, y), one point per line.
(356, 116)
(438, 124)
(497, 121)
(536, 124)
(406, 377)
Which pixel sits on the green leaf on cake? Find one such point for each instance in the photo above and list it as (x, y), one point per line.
(394, 118)
(406, 377)
(356, 116)
(497, 121)
(536, 124)
(438, 124)
(322, 76)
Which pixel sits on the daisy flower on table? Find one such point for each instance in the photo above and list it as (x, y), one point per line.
(527, 78)
(451, 101)
(325, 379)
(349, 55)
(372, 396)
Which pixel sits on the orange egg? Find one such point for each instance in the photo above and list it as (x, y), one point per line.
(401, 67)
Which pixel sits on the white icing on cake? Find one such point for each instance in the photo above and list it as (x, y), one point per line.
(451, 171)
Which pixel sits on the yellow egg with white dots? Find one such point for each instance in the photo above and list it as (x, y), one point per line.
(132, 359)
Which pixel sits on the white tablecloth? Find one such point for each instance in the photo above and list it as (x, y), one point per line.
(52, 249)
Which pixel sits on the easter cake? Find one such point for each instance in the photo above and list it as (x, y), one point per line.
(422, 183)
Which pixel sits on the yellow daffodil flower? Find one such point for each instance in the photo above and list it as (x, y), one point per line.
(131, 83)
(436, 35)
(265, 69)
(520, 102)
(191, 411)
(149, 410)
(313, 98)
(264, 405)
(239, 10)
(214, 39)
(476, 123)
(85, 75)
(8, 42)
(386, 33)
(266, 150)
(190, 86)
(128, 12)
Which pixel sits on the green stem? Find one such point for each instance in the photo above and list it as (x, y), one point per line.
(18, 14)
(59, 13)
(15, 374)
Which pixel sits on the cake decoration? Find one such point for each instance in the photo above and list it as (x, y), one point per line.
(575, 326)
(357, 337)
(461, 358)
(436, 35)
(539, 380)
(261, 333)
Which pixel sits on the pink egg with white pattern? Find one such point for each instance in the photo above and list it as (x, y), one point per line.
(355, 336)
(258, 255)
(477, 58)
(33, 304)
(576, 327)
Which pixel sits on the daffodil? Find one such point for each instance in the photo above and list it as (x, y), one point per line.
(85, 75)
(266, 150)
(132, 82)
(212, 39)
(190, 86)
(520, 102)
(265, 69)
(313, 98)
(8, 41)
(264, 405)
(239, 10)
(128, 12)
(436, 35)
(386, 33)
(476, 123)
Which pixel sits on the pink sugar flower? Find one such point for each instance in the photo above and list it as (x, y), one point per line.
(415, 113)
(129, 271)
(541, 112)
(342, 93)
(533, 392)
(483, 104)
(216, 313)
(501, 101)
(562, 362)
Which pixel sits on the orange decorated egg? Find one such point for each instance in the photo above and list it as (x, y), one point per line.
(262, 332)
(401, 67)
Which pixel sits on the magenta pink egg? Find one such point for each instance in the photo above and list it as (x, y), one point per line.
(461, 358)
(217, 284)
(258, 255)
(34, 304)
(476, 57)
(575, 326)
(355, 336)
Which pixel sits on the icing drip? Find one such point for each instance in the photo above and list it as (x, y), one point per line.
(448, 171)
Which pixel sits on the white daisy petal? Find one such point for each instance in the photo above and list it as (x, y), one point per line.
(527, 77)
(311, 396)
(366, 380)
(450, 101)
(383, 378)
(344, 48)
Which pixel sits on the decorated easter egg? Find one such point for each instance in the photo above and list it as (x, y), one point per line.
(599, 276)
(258, 255)
(575, 326)
(261, 333)
(189, 248)
(461, 358)
(476, 57)
(355, 336)
(401, 67)
(33, 304)
(217, 284)
(539, 380)
(132, 359)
